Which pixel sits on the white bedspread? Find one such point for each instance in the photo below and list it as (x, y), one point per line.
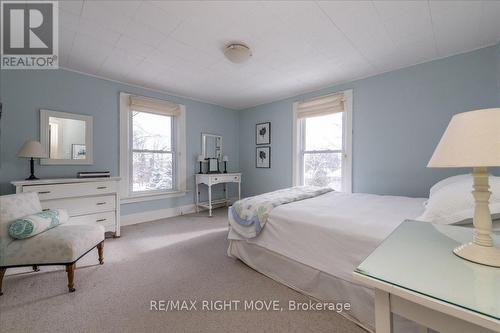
(335, 231)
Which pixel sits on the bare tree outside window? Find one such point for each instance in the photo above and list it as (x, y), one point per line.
(322, 151)
(152, 151)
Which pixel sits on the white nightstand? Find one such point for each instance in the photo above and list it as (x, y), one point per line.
(416, 275)
(211, 179)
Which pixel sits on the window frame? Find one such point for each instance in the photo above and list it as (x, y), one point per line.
(178, 150)
(299, 145)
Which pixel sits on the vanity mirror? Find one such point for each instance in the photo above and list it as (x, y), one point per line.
(66, 137)
(211, 147)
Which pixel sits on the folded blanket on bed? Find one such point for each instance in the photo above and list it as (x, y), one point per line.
(248, 216)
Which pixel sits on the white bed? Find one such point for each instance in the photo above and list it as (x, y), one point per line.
(314, 245)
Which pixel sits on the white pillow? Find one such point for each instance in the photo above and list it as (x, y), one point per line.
(452, 202)
(450, 180)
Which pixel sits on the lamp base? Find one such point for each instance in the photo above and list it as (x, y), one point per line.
(484, 255)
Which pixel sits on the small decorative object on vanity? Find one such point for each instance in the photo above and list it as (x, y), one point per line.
(472, 139)
(87, 200)
(32, 149)
(263, 134)
(213, 165)
(201, 159)
(225, 159)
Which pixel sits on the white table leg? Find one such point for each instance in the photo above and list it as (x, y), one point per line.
(197, 198)
(383, 314)
(225, 193)
(239, 190)
(210, 201)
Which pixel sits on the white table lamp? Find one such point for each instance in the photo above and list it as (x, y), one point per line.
(225, 159)
(32, 149)
(472, 139)
(201, 159)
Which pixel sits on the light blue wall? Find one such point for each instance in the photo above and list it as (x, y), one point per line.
(398, 119)
(24, 93)
(498, 73)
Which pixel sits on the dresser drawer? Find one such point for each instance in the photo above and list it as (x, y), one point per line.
(58, 191)
(106, 219)
(81, 206)
(224, 179)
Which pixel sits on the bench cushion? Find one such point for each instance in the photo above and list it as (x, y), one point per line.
(61, 245)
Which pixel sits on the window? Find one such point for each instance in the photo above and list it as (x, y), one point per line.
(152, 158)
(322, 142)
(153, 152)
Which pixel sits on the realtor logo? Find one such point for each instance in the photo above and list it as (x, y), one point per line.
(29, 35)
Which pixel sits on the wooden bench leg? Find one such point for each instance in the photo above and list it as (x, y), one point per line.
(70, 269)
(100, 250)
(2, 273)
(35, 268)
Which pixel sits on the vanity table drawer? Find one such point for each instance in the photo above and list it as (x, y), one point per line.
(80, 206)
(224, 179)
(106, 219)
(57, 191)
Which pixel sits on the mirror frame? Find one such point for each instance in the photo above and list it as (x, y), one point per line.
(203, 141)
(44, 137)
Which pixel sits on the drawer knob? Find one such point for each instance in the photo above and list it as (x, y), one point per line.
(100, 220)
(215, 178)
(100, 203)
(44, 192)
(102, 187)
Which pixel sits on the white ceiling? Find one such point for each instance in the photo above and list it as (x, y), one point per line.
(298, 46)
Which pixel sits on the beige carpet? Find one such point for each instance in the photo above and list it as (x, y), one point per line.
(178, 258)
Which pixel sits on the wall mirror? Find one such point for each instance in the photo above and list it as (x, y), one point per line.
(211, 146)
(66, 137)
(211, 149)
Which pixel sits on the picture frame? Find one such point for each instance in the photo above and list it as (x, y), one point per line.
(78, 151)
(263, 157)
(263, 133)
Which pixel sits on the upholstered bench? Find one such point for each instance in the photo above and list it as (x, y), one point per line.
(61, 245)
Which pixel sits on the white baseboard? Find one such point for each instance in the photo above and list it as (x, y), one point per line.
(156, 214)
(159, 214)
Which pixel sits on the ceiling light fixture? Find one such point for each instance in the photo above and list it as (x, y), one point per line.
(237, 52)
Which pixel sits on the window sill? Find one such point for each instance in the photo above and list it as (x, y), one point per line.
(151, 197)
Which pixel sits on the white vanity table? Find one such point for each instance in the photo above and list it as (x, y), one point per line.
(210, 179)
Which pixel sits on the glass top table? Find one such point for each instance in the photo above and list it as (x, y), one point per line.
(418, 256)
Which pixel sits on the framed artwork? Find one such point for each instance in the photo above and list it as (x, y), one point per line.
(263, 134)
(78, 152)
(263, 157)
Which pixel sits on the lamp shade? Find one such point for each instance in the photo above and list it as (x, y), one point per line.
(225, 158)
(200, 158)
(472, 139)
(32, 149)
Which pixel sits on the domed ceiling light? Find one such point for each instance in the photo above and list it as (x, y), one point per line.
(237, 52)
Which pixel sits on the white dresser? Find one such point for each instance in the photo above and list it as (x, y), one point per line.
(211, 179)
(91, 200)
